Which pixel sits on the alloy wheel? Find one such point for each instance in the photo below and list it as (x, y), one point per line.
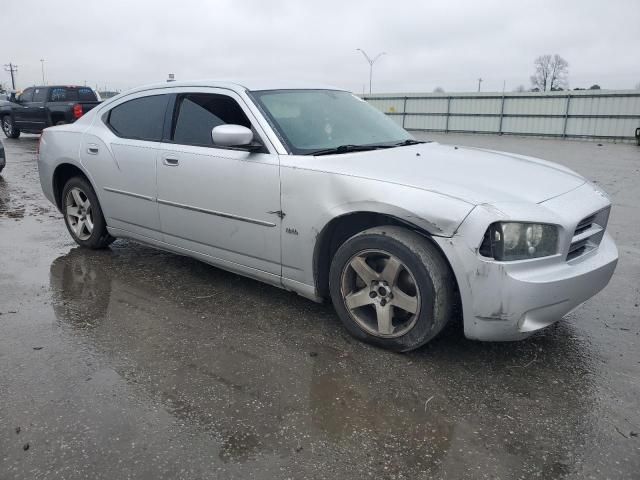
(380, 293)
(79, 214)
(7, 126)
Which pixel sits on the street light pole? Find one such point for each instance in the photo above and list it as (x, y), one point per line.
(42, 62)
(371, 61)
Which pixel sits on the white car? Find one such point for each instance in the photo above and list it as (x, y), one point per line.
(313, 190)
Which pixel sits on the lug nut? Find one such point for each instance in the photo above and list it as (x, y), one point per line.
(373, 294)
(383, 302)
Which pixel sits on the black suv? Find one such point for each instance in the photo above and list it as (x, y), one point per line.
(37, 108)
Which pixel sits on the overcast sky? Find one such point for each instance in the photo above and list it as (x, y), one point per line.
(449, 44)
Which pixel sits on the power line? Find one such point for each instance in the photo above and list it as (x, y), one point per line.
(10, 67)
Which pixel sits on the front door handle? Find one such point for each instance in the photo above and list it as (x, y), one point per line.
(171, 162)
(92, 149)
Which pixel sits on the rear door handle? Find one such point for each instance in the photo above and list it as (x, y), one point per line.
(92, 149)
(171, 162)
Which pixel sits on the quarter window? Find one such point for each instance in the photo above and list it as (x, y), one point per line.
(86, 94)
(198, 113)
(140, 119)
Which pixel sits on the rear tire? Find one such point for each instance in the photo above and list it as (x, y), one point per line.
(392, 288)
(83, 215)
(9, 128)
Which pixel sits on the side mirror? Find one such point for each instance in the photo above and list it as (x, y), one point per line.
(12, 97)
(230, 135)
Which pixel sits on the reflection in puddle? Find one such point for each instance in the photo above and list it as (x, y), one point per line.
(230, 357)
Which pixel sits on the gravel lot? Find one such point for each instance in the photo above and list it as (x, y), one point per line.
(134, 363)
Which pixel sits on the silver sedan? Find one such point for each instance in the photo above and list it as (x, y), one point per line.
(313, 190)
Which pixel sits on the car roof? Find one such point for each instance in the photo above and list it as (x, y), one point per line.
(239, 85)
(59, 86)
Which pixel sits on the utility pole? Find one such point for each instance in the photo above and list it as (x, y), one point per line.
(42, 63)
(371, 62)
(479, 82)
(11, 68)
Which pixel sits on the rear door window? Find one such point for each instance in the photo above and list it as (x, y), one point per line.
(61, 95)
(198, 113)
(140, 119)
(40, 95)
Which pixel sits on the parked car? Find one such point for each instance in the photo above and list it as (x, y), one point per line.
(37, 108)
(315, 191)
(3, 157)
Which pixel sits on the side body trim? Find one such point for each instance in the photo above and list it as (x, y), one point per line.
(216, 213)
(129, 194)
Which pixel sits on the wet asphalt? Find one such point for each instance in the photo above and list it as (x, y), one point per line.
(135, 363)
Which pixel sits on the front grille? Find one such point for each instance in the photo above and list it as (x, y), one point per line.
(584, 224)
(577, 249)
(588, 234)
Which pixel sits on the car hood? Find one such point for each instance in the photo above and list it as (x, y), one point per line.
(471, 174)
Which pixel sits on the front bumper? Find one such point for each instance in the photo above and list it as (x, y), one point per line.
(504, 301)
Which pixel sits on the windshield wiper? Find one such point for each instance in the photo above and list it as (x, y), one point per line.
(347, 149)
(409, 141)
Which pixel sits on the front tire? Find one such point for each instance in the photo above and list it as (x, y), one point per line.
(392, 288)
(9, 128)
(83, 215)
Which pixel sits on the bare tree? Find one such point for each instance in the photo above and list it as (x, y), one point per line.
(551, 72)
(520, 88)
(438, 90)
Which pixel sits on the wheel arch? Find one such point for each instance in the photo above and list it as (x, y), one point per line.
(4, 113)
(61, 176)
(344, 226)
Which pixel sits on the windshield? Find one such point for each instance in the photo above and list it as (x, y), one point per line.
(313, 120)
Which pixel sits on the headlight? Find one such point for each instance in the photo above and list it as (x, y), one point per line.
(506, 241)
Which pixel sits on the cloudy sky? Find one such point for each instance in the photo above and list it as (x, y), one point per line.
(123, 43)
